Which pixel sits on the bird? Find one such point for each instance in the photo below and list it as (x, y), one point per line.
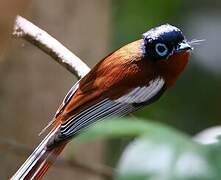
(126, 80)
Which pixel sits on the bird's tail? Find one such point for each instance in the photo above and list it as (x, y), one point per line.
(39, 161)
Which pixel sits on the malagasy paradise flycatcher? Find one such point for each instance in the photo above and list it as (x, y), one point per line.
(126, 80)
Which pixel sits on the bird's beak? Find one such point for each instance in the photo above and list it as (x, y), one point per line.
(183, 46)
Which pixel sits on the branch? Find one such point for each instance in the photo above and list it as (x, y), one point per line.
(33, 34)
(36, 36)
(12, 147)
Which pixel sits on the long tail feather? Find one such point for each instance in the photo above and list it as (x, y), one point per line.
(44, 164)
(39, 161)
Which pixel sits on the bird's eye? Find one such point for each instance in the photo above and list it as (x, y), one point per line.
(161, 49)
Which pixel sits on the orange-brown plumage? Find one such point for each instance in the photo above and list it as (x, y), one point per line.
(127, 79)
(114, 76)
(171, 69)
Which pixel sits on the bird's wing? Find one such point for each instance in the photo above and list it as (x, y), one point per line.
(107, 108)
(110, 78)
(66, 99)
(116, 86)
(143, 94)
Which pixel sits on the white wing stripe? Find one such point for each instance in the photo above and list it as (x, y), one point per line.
(108, 108)
(78, 115)
(72, 119)
(93, 117)
(88, 122)
(105, 106)
(143, 94)
(86, 116)
(119, 112)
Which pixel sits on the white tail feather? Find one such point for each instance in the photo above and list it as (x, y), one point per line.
(33, 158)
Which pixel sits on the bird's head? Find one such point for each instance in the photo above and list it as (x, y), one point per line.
(164, 41)
(167, 49)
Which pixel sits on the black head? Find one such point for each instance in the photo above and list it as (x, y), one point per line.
(163, 41)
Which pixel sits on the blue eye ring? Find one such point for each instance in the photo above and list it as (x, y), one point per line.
(161, 49)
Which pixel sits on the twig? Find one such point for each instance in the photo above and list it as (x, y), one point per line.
(28, 31)
(38, 37)
(13, 147)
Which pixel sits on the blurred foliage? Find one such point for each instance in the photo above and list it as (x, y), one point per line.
(122, 127)
(131, 18)
(159, 152)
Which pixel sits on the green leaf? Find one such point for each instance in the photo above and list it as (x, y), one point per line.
(166, 158)
(159, 153)
(124, 127)
(170, 156)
